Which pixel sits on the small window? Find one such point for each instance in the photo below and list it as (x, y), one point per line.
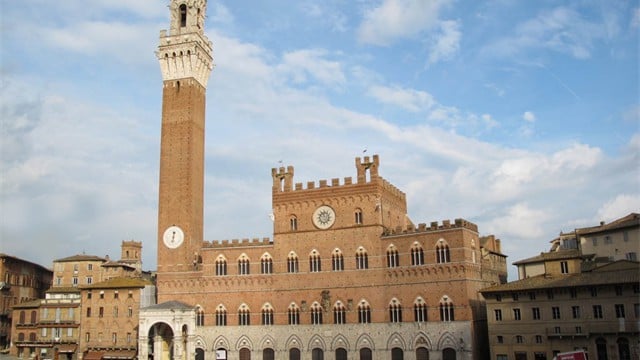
(564, 267)
(619, 311)
(516, 314)
(538, 339)
(358, 217)
(597, 311)
(183, 15)
(519, 339)
(293, 223)
(498, 314)
(575, 310)
(535, 312)
(555, 311)
(499, 339)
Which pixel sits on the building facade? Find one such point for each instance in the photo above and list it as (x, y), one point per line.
(22, 281)
(582, 294)
(595, 310)
(347, 273)
(48, 328)
(109, 317)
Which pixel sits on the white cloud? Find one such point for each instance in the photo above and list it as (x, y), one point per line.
(311, 64)
(529, 116)
(618, 207)
(520, 220)
(447, 43)
(561, 29)
(635, 18)
(408, 99)
(396, 19)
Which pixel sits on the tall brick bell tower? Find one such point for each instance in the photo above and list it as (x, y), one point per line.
(185, 56)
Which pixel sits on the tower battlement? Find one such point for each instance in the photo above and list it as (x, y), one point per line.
(237, 243)
(433, 226)
(367, 173)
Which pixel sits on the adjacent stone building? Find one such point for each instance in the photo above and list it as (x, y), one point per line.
(576, 296)
(347, 273)
(21, 281)
(59, 324)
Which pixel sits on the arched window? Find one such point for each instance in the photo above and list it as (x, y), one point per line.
(316, 314)
(422, 353)
(448, 354)
(417, 255)
(397, 354)
(395, 311)
(601, 349)
(339, 314)
(358, 217)
(33, 316)
(293, 314)
(442, 252)
(364, 313)
(341, 354)
(337, 260)
(32, 337)
(245, 354)
(419, 310)
(199, 316)
(243, 265)
(366, 354)
(221, 316)
(244, 315)
(267, 315)
(446, 309)
(183, 15)
(362, 259)
(20, 336)
(393, 259)
(22, 318)
(292, 263)
(294, 354)
(293, 223)
(623, 349)
(317, 354)
(268, 354)
(221, 266)
(266, 264)
(315, 265)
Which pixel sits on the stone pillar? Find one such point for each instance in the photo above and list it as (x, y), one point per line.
(143, 348)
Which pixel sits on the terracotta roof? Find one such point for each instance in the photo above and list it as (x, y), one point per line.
(81, 257)
(168, 305)
(619, 272)
(62, 289)
(7, 256)
(27, 304)
(630, 220)
(553, 255)
(116, 264)
(119, 282)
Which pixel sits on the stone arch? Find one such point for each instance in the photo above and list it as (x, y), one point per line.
(294, 342)
(365, 340)
(221, 342)
(244, 342)
(200, 342)
(396, 340)
(268, 342)
(422, 340)
(317, 341)
(446, 340)
(340, 341)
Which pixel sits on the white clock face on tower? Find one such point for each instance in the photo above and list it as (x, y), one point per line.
(324, 217)
(173, 237)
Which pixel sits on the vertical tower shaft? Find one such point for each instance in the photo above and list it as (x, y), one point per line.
(185, 57)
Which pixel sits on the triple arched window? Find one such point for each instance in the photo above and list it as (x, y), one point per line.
(442, 252)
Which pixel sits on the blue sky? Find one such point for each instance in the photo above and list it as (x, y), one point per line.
(520, 116)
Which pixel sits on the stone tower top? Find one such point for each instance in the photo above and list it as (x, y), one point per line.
(185, 51)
